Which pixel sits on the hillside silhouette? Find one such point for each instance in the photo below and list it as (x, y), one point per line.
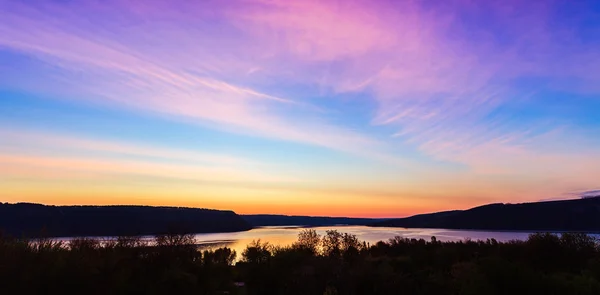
(282, 220)
(567, 215)
(31, 220)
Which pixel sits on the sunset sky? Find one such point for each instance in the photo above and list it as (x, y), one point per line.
(344, 108)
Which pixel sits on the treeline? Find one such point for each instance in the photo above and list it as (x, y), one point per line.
(566, 215)
(68, 221)
(335, 263)
(168, 264)
(283, 220)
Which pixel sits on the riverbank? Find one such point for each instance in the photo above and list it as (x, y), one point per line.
(330, 263)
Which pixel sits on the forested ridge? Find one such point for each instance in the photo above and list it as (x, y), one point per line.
(567, 215)
(283, 220)
(31, 220)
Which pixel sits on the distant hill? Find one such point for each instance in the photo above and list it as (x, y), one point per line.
(282, 220)
(567, 215)
(25, 219)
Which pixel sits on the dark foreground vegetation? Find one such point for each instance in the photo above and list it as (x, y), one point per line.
(25, 219)
(333, 264)
(568, 215)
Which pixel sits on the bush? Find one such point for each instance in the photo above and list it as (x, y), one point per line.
(333, 264)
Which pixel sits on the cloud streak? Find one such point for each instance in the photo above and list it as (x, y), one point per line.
(109, 67)
(26, 153)
(461, 90)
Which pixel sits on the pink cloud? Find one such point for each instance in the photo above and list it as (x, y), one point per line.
(432, 74)
(314, 30)
(434, 77)
(108, 66)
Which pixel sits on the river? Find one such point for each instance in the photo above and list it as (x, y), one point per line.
(286, 235)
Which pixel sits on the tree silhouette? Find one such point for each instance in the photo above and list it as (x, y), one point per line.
(308, 239)
(341, 264)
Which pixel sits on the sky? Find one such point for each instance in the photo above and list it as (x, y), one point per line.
(342, 108)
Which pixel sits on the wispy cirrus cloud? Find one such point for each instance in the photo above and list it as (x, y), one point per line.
(460, 82)
(22, 140)
(423, 62)
(433, 74)
(42, 157)
(119, 65)
(443, 74)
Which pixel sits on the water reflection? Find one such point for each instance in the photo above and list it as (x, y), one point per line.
(286, 235)
(283, 236)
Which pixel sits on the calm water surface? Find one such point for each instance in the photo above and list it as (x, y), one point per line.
(287, 235)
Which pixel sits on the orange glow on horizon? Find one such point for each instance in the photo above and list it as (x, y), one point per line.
(298, 107)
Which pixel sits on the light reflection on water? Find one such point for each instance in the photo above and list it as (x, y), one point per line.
(286, 235)
(283, 236)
